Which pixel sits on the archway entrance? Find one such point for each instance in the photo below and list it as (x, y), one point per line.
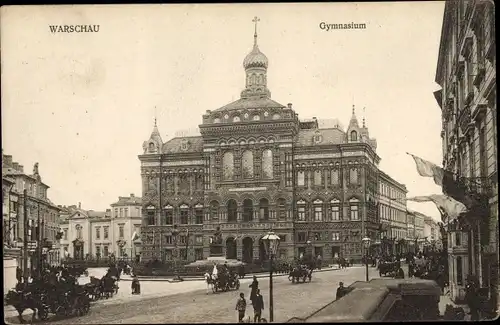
(231, 248)
(247, 251)
(262, 251)
(78, 249)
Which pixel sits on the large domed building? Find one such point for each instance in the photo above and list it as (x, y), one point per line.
(256, 166)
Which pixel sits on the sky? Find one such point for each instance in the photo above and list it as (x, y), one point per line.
(82, 104)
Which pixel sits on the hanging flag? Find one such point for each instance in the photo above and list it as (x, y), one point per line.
(443, 178)
(449, 207)
(427, 169)
(135, 236)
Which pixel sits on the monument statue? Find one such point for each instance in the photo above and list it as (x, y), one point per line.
(35, 169)
(216, 243)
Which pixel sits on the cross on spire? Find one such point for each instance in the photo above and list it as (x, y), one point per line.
(255, 20)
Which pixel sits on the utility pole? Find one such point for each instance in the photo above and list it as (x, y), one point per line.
(25, 235)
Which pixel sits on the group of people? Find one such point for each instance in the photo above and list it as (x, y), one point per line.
(256, 300)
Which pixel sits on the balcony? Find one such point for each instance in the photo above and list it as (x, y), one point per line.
(480, 72)
(464, 118)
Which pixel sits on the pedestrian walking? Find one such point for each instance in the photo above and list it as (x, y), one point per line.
(254, 285)
(241, 306)
(258, 307)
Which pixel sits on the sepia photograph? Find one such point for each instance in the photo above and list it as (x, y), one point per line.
(249, 162)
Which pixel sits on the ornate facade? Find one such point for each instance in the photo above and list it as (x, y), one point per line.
(466, 72)
(256, 167)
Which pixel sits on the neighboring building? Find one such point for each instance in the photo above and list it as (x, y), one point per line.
(126, 219)
(419, 225)
(410, 231)
(89, 233)
(11, 253)
(466, 72)
(39, 208)
(392, 212)
(256, 167)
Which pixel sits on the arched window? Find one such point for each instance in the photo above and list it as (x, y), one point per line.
(247, 210)
(151, 215)
(264, 209)
(334, 177)
(301, 210)
(318, 175)
(232, 211)
(281, 208)
(318, 210)
(214, 210)
(354, 211)
(301, 178)
(353, 176)
(267, 164)
(335, 210)
(79, 231)
(151, 147)
(228, 166)
(183, 183)
(168, 218)
(247, 164)
(199, 182)
(354, 136)
(236, 119)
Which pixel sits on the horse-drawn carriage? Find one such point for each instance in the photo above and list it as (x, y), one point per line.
(388, 268)
(105, 287)
(62, 301)
(300, 272)
(223, 281)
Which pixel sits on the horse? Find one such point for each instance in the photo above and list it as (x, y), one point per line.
(24, 300)
(209, 280)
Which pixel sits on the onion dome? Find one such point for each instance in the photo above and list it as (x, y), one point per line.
(255, 59)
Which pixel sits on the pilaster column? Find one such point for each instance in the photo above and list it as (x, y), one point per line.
(240, 213)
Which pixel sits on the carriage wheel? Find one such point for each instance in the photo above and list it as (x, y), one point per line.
(380, 273)
(214, 288)
(304, 279)
(290, 278)
(293, 279)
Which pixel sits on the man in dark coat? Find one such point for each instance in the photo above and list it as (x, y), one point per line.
(255, 286)
(258, 306)
(473, 300)
(341, 291)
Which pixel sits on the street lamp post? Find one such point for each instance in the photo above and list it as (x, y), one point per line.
(271, 242)
(366, 244)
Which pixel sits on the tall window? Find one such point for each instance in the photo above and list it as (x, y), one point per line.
(281, 209)
(301, 178)
(214, 210)
(264, 209)
(301, 211)
(354, 136)
(121, 232)
(482, 152)
(198, 253)
(198, 213)
(353, 176)
(199, 182)
(354, 212)
(65, 234)
(267, 164)
(247, 210)
(228, 166)
(184, 213)
(183, 183)
(232, 211)
(105, 251)
(247, 164)
(169, 215)
(79, 232)
(335, 210)
(151, 217)
(97, 250)
(318, 212)
(318, 177)
(98, 233)
(334, 179)
(335, 236)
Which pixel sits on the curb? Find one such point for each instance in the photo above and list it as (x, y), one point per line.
(247, 276)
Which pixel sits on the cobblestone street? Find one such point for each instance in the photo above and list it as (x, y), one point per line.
(188, 302)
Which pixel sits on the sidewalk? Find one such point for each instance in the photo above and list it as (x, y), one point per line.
(200, 278)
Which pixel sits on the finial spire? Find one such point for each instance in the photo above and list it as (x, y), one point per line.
(364, 116)
(353, 109)
(255, 20)
(155, 121)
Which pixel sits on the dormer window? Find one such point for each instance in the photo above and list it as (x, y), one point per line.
(236, 119)
(354, 136)
(151, 147)
(216, 120)
(317, 138)
(256, 118)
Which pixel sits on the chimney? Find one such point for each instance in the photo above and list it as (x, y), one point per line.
(15, 166)
(314, 117)
(289, 105)
(132, 195)
(7, 160)
(79, 205)
(21, 168)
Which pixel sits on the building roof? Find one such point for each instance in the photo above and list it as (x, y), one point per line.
(392, 180)
(128, 200)
(327, 136)
(183, 144)
(250, 103)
